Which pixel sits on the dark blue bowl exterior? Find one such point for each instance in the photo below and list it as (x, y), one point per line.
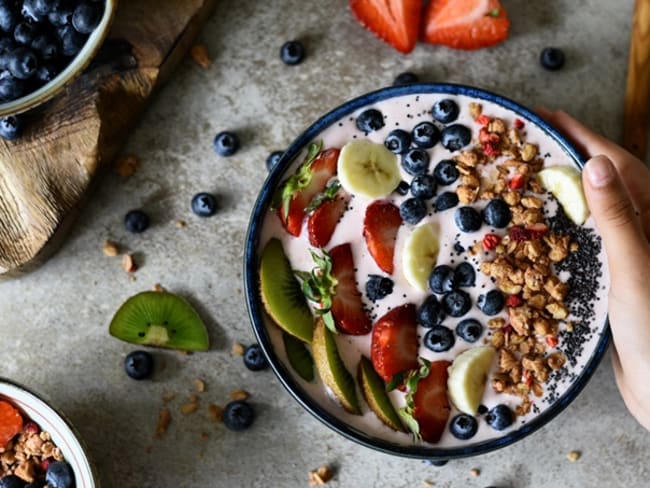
(256, 309)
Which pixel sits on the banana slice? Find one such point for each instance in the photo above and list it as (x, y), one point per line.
(419, 255)
(368, 169)
(565, 183)
(467, 378)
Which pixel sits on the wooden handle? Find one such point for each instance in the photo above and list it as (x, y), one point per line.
(637, 95)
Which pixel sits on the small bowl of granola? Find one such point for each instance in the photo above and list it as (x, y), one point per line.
(423, 274)
(38, 444)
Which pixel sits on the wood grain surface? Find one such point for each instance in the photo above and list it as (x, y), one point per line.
(47, 174)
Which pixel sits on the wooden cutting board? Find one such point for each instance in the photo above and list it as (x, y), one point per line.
(47, 174)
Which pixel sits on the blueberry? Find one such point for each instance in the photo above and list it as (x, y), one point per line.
(11, 127)
(30, 13)
(446, 200)
(273, 159)
(467, 219)
(500, 417)
(45, 46)
(136, 221)
(11, 88)
(378, 287)
(370, 120)
(423, 186)
(463, 426)
(7, 44)
(482, 409)
(11, 481)
(455, 137)
(138, 365)
(225, 143)
(439, 339)
(457, 303)
(406, 78)
(469, 330)
(552, 58)
(8, 16)
(403, 188)
(442, 279)
(465, 274)
(23, 63)
(86, 17)
(44, 7)
(25, 33)
(446, 172)
(435, 462)
(398, 141)
(445, 111)
(416, 162)
(430, 313)
(497, 213)
(238, 415)
(254, 358)
(46, 72)
(204, 204)
(292, 52)
(492, 302)
(36, 484)
(426, 135)
(413, 210)
(61, 16)
(71, 40)
(59, 475)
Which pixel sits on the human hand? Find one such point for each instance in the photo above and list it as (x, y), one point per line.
(617, 188)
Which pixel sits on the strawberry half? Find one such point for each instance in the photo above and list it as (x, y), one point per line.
(395, 21)
(465, 24)
(347, 306)
(394, 344)
(299, 190)
(380, 227)
(431, 403)
(324, 219)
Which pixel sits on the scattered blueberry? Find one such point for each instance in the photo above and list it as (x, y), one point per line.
(423, 186)
(445, 111)
(254, 358)
(469, 330)
(226, 143)
(23, 63)
(500, 417)
(439, 339)
(378, 287)
(10, 127)
(442, 279)
(86, 17)
(455, 137)
(467, 219)
(552, 58)
(370, 120)
(457, 303)
(463, 426)
(59, 475)
(273, 159)
(426, 135)
(445, 200)
(238, 415)
(138, 365)
(413, 210)
(430, 313)
(435, 462)
(11, 481)
(406, 78)
(446, 172)
(292, 52)
(492, 302)
(136, 221)
(204, 204)
(465, 274)
(497, 213)
(398, 141)
(416, 162)
(403, 188)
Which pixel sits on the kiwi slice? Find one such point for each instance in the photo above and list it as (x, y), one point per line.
(161, 319)
(281, 293)
(299, 357)
(374, 391)
(331, 369)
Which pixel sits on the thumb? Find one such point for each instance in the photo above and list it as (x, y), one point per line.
(616, 218)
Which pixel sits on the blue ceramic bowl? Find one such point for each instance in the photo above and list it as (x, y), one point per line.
(261, 323)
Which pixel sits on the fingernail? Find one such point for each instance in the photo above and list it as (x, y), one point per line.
(600, 171)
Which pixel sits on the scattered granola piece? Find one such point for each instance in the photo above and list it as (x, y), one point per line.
(189, 408)
(573, 456)
(474, 472)
(164, 418)
(128, 264)
(158, 287)
(204, 436)
(239, 395)
(110, 248)
(320, 476)
(199, 384)
(428, 483)
(126, 166)
(180, 224)
(168, 397)
(201, 56)
(237, 349)
(216, 412)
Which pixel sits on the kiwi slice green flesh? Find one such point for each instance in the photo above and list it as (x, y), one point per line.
(374, 391)
(281, 293)
(299, 357)
(331, 369)
(160, 319)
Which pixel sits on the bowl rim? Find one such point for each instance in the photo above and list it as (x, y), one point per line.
(72, 71)
(256, 310)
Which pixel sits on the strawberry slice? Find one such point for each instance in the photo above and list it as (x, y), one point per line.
(465, 24)
(380, 228)
(11, 423)
(431, 403)
(310, 180)
(394, 344)
(324, 219)
(347, 307)
(395, 21)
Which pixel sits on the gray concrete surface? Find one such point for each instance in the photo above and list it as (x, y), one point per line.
(54, 322)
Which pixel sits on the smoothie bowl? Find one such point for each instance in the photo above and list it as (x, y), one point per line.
(423, 274)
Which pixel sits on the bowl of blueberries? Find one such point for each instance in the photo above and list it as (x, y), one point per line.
(45, 45)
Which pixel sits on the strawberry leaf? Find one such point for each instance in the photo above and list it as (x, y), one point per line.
(493, 13)
(301, 179)
(395, 381)
(412, 380)
(319, 286)
(329, 194)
